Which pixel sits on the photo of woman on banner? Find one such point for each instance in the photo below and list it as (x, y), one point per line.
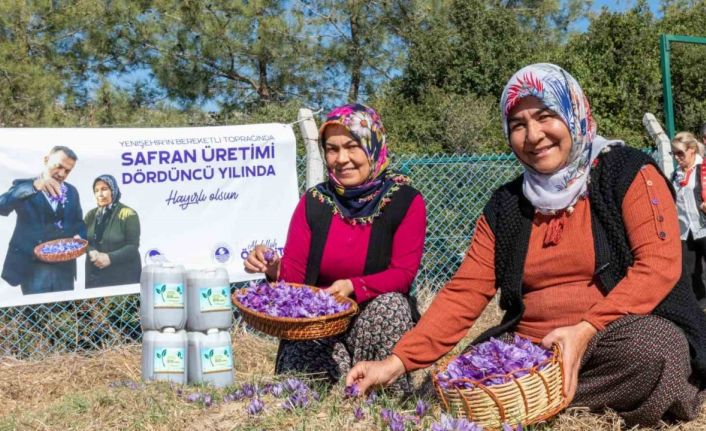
(113, 238)
(360, 234)
(47, 208)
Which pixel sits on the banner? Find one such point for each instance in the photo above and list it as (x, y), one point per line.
(200, 197)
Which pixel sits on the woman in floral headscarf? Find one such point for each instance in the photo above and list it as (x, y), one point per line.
(113, 238)
(359, 234)
(584, 247)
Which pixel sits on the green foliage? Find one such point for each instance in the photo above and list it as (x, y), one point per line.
(442, 122)
(434, 68)
(617, 64)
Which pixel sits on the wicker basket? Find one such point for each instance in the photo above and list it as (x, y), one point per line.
(60, 257)
(304, 328)
(529, 399)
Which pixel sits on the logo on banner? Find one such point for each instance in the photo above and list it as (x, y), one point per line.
(154, 255)
(221, 253)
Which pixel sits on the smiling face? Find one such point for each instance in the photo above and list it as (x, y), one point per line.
(538, 136)
(103, 193)
(345, 157)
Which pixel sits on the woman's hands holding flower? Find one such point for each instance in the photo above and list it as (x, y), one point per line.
(573, 341)
(368, 374)
(257, 261)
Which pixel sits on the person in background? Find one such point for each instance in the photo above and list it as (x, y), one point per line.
(113, 238)
(584, 248)
(47, 208)
(688, 180)
(358, 234)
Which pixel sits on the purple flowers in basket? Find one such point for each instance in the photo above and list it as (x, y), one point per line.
(61, 247)
(283, 300)
(494, 358)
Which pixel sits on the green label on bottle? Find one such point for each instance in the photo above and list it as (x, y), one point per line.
(216, 360)
(169, 360)
(214, 299)
(168, 295)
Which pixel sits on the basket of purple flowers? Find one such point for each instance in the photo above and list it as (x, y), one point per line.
(294, 311)
(497, 382)
(60, 250)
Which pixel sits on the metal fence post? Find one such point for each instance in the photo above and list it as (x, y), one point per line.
(314, 163)
(662, 142)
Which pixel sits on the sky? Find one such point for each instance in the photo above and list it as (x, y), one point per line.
(622, 4)
(614, 5)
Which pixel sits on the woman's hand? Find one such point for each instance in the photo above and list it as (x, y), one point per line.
(102, 260)
(573, 341)
(368, 374)
(702, 207)
(256, 262)
(341, 287)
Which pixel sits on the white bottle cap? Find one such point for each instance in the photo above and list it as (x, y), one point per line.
(212, 331)
(169, 330)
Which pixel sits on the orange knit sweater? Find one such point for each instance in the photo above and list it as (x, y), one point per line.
(558, 284)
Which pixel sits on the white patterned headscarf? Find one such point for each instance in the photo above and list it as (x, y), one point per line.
(560, 92)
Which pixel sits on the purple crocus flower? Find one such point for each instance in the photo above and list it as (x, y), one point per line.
(255, 407)
(277, 390)
(269, 255)
(422, 408)
(358, 414)
(508, 427)
(297, 400)
(351, 391)
(62, 197)
(194, 397)
(396, 422)
(448, 423)
(249, 390)
(371, 399)
(386, 415)
(208, 400)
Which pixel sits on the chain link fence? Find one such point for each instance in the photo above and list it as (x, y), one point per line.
(455, 189)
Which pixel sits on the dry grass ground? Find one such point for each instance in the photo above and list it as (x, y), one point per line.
(73, 392)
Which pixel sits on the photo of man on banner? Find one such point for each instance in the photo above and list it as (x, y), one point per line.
(47, 208)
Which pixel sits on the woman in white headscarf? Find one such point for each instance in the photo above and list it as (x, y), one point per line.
(585, 249)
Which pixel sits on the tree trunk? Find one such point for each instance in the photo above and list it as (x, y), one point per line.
(356, 59)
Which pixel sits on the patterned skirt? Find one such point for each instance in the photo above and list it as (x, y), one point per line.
(371, 336)
(640, 367)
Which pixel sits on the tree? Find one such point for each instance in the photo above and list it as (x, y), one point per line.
(617, 64)
(234, 52)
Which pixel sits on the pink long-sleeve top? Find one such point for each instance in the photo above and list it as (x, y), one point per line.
(346, 250)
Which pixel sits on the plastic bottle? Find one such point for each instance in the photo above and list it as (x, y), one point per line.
(208, 300)
(162, 297)
(165, 355)
(211, 358)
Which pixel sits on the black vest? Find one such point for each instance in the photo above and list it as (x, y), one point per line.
(509, 215)
(379, 254)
